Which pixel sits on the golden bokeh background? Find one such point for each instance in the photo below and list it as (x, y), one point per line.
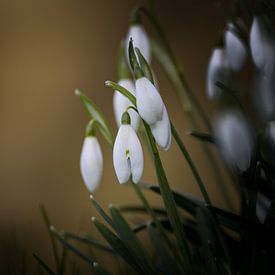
(49, 48)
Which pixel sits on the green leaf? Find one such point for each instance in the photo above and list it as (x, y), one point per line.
(131, 241)
(122, 90)
(201, 136)
(96, 114)
(117, 245)
(75, 250)
(100, 210)
(100, 270)
(43, 264)
(142, 209)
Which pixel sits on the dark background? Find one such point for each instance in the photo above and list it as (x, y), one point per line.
(49, 48)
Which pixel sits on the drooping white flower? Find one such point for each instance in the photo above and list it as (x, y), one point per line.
(149, 102)
(121, 103)
(140, 40)
(218, 71)
(262, 44)
(235, 48)
(91, 163)
(127, 154)
(234, 139)
(262, 206)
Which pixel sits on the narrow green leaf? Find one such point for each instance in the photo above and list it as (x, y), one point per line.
(96, 114)
(75, 250)
(142, 209)
(131, 241)
(43, 264)
(100, 270)
(122, 90)
(117, 245)
(100, 210)
(201, 136)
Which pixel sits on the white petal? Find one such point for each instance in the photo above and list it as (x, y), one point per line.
(262, 207)
(235, 139)
(218, 70)
(149, 101)
(235, 49)
(140, 40)
(91, 163)
(121, 103)
(121, 163)
(136, 156)
(161, 131)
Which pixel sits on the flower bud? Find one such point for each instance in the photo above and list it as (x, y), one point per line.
(127, 155)
(91, 163)
(218, 71)
(235, 48)
(140, 40)
(121, 103)
(262, 44)
(234, 139)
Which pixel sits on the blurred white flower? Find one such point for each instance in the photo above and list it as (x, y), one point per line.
(140, 40)
(121, 103)
(234, 139)
(262, 207)
(127, 155)
(218, 71)
(262, 44)
(235, 48)
(91, 163)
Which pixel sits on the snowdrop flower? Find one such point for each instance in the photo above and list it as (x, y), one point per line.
(262, 206)
(121, 103)
(234, 139)
(218, 71)
(235, 48)
(151, 108)
(262, 44)
(140, 40)
(127, 153)
(91, 163)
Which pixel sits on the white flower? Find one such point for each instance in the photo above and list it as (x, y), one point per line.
(140, 40)
(262, 44)
(218, 71)
(121, 103)
(262, 207)
(235, 48)
(127, 155)
(234, 139)
(149, 102)
(91, 163)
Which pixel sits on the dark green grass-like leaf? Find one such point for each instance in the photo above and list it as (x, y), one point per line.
(201, 136)
(96, 114)
(43, 264)
(117, 245)
(131, 241)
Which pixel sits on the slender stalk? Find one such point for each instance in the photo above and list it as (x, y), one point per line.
(191, 164)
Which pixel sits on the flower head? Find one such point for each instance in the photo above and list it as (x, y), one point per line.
(127, 153)
(91, 163)
(121, 103)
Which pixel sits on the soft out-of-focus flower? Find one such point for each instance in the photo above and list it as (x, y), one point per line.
(140, 40)
(264, 96)
(121, 103)
(91, 163)
(218, 71)
(127, 153)
(235, 48)
(262, 207)
(234, 139)
(262, 44)
(152, 109)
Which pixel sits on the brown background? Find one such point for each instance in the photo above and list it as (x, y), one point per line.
(49, 48)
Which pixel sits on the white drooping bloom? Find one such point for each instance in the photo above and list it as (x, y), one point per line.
(152, 109)
(121, 103)
(218, 71)
(140, 40)
(127, 155)
(91, 163)
(262, 44)
(235, 48)
(234, 139)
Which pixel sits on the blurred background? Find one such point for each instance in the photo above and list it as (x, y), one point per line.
(49, 48)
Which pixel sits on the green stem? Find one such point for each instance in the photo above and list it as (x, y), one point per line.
(169, 201)
(191, 164)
